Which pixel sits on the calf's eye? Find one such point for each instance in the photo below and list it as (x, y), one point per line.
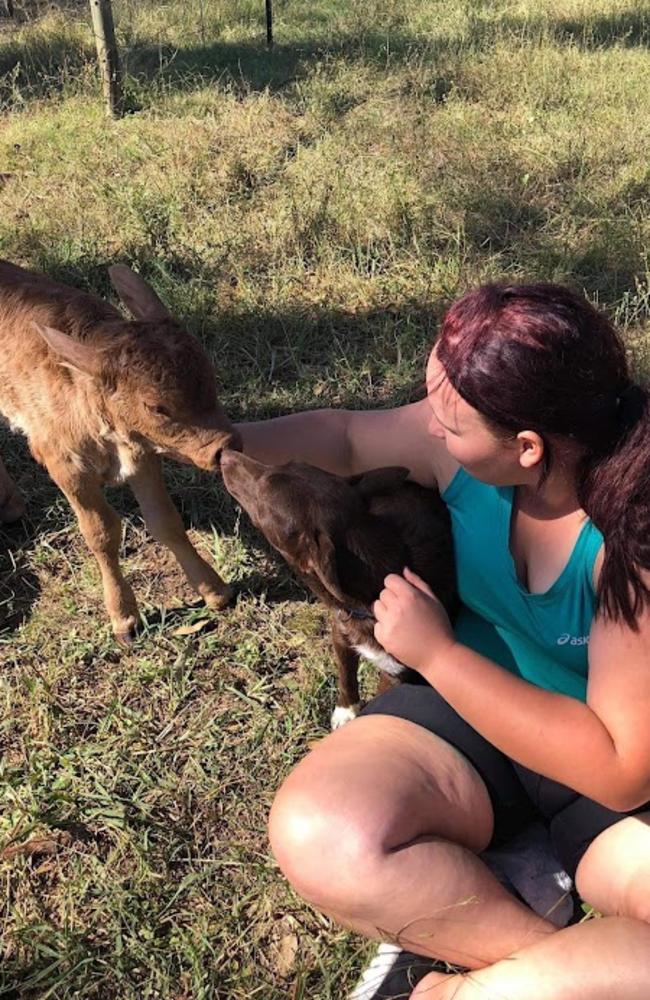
(160, 411)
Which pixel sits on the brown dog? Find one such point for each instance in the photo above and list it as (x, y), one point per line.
(343, 536)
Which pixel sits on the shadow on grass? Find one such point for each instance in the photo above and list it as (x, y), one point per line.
(19, 586)
(598, 31)
(608, 263)
(251, 67)
(630, 28)
(40, 67)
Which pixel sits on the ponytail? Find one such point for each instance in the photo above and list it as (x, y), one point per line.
(615, 493)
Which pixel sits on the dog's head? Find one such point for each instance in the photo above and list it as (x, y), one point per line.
(320, 523)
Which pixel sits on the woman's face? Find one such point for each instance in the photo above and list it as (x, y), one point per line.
(467, 436)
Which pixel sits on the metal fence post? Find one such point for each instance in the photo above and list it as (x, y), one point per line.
(269, 23)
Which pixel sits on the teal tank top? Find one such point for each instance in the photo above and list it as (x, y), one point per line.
(541, 637)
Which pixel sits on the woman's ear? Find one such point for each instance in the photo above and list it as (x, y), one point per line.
(531, 449)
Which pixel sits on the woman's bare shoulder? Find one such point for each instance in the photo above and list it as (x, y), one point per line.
(598, 566)
(399, 437)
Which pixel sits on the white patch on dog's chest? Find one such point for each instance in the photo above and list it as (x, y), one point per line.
(382, 660)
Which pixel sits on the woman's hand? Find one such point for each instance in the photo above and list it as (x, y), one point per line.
(412, 624)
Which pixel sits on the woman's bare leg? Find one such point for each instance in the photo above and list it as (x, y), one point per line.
(379, 827)
(606, 959)
(614, 874)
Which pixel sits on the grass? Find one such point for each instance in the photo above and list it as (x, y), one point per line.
(310, 211)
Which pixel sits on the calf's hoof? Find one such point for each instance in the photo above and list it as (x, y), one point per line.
(126, 631)
(343, 714)
(218, 600)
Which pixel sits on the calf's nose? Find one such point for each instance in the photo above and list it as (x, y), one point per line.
(231, 442)
(234, 442)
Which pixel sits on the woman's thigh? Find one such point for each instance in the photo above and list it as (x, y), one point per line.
(421, 704)
(367, 789)
(614, 873)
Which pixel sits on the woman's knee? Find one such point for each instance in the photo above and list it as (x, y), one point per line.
(323, 843)
(363, 793)
(614, 874)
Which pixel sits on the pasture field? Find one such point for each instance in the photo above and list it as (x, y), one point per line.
(310, 211)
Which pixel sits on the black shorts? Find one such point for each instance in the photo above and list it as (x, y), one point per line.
(517, 794)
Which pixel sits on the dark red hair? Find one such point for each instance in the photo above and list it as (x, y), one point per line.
(540, 357)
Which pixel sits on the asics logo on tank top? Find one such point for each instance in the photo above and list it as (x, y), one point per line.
(572, 640)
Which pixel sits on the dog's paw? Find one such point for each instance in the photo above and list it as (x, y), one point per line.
(343, 714)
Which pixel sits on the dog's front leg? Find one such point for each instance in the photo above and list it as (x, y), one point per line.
(347, 701)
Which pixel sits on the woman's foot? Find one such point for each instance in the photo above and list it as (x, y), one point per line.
(393, 973)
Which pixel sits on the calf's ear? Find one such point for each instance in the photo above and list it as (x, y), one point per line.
(72, 353)
(379, 480)
(141, 300)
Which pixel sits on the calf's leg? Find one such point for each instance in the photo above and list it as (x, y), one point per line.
(12, 506)
(100, 527)
(164, 522)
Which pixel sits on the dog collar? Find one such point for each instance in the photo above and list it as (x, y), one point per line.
(359, 613)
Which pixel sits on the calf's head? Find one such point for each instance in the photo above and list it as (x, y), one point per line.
(321, 523)
(156, 381)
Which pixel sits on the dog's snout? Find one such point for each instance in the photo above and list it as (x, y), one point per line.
(231, 467)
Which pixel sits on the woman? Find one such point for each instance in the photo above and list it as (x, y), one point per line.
(540, 444)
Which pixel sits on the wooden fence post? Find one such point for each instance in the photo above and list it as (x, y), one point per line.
(109, 63)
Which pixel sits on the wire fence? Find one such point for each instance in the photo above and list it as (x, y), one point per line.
(48, 45)
(199, 17)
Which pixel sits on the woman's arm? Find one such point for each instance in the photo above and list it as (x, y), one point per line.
(349, 441)
(585, 746)
(601, 748)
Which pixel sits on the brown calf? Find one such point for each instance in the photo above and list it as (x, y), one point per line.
(100, 400)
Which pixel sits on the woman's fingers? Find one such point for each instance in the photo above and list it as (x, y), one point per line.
(396, 584)
(418, 582)
(378, 610)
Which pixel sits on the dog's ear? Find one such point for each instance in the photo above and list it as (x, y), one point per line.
(318, 558)
(379, 480)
